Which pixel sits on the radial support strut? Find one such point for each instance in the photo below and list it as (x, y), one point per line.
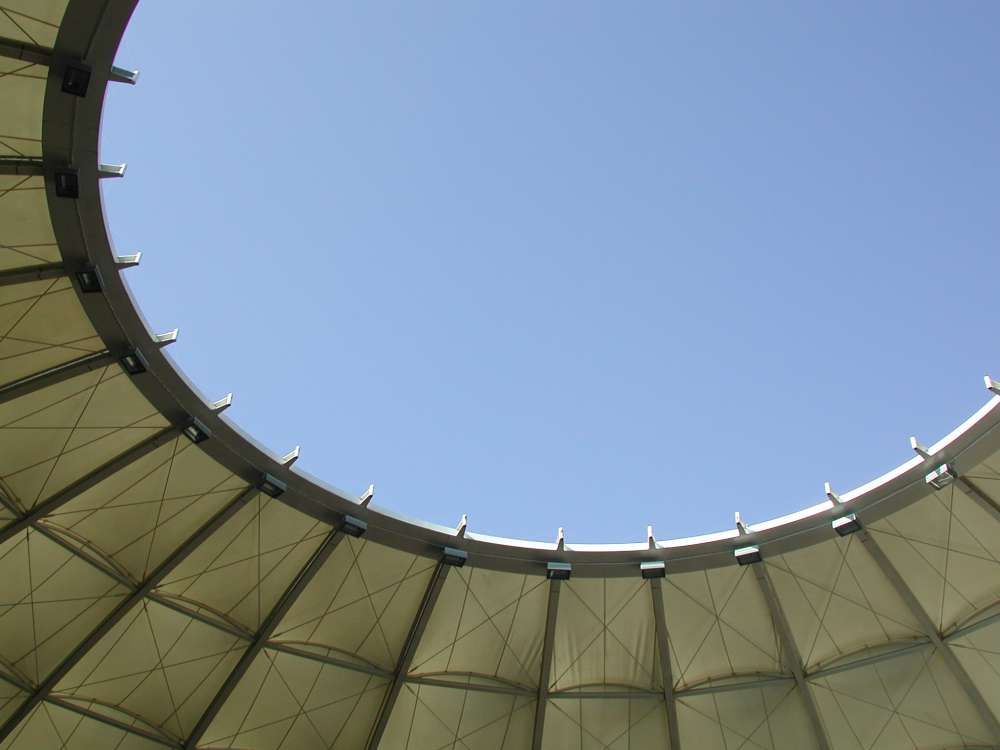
(27, 274)
(87, 481)
(53, 375)
(21, 166)
(974, 491)
(666, 671)
(930, 630)
(793, 660)
(274, 617)
(545, 674)
(31, 53)
(423, 616)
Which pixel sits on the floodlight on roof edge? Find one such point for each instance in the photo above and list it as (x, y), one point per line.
(653, 569)
(941, 477)
(272, 486)
(846, 525)
(558, 571)
(196, 432)
(89, 280)
(76, 79)
(747, 555)
(133, 362)
(67, 183)
(353, 526)
(454, 557)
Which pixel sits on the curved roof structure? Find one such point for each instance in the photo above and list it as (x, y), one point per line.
(166, 582)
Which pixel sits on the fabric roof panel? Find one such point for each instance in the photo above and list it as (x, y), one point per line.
(946, 549)
(910, 700)
(26, 237)
(53, 726)
(837, 601)
(158, 664)
(22, 90)
(771, 717)
(361, 602)
(719, 626)
(285, 702)
(486, 622)
(243, 568)
(979, 654)
(49, 600)
(88, 424)
(35, 21)
(599, 724)
(605, 634)
(427, 716)
(141, 514)
(42, 325)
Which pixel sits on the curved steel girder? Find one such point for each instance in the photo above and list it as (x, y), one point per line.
(70, 136)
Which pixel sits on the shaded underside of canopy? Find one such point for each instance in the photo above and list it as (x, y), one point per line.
(152, 595)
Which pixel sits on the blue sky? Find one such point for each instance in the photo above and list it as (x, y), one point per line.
(584, 265)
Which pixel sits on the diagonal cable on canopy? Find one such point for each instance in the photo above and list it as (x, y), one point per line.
(408, 651)
(87, 481)
(264, 632)
(930, 630)
(791, 653)
(159, 573)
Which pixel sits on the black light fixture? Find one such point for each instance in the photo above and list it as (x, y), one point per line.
(133, 363)
(653, 569)
(941, 477)
(846, 524)
(747, 555)
(67, 183)
(76, 79)
(89, 280)
(558, 571)
(353, 526)
(455, 557)
(272, 486)
(196, 432)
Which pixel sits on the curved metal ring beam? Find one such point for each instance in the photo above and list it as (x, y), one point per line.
(70, 138)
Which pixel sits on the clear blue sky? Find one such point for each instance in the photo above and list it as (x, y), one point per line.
(581, 264)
